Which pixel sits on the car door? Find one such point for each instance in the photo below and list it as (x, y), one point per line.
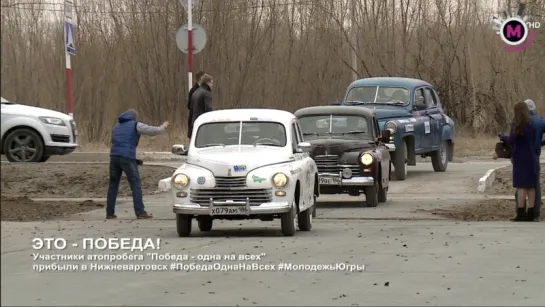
(300, 162)
(384, 154)
(436, 118)
(421, 126)
(308, 163)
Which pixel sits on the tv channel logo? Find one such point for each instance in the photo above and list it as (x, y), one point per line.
(516, 31)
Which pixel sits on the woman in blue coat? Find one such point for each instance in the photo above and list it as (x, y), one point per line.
(522, 139)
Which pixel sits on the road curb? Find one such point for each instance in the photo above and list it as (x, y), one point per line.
(488, 179)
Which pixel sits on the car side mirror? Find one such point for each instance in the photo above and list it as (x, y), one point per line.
(385, 136)
(179, 150)
(304, 147)
(419, 103)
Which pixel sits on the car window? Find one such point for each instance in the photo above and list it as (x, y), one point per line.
(294, 137)
(335, 126)
(430, 99)
(419, 92)
(378, 94)
(253, 132)
(299, 133)
(377, 128)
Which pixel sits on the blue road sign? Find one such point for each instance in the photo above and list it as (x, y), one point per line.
(69, 41)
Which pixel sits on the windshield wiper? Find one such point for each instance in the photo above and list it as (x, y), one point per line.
(314, 133)
(267, 144)
(213, 144)
(396, 102)
(355, 102)
(350, 132)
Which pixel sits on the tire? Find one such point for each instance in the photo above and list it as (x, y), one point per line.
(287, 221)
(205, 223)
(314, 210)
(371, 195)
(25, 140)
(382, 195)
(44, 158)
(304, 219)
(400, 161)
(439, 158)
(183, 224)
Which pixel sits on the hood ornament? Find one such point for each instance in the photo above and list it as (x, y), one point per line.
(229, 173)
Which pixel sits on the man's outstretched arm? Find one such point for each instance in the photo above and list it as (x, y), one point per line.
(151, 130)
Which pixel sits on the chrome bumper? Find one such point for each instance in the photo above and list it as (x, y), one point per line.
(354, 181)
(265, 208)
(391, 147)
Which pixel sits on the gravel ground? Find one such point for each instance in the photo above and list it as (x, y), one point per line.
(72, 180)
(23, 209)
(503, 185)
(487, 210)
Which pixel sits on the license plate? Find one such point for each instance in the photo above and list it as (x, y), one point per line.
(231, 210)
(330, 180)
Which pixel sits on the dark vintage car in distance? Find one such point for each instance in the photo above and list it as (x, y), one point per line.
(411, 110)
(349, 150)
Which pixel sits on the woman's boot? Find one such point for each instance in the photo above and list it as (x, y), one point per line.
(521, 215)
(531, 215)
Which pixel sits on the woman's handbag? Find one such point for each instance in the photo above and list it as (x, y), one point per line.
(503, 151)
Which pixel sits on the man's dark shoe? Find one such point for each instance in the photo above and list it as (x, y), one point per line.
(144, 215)
(111, 217)
(521, 215)
(531, 215)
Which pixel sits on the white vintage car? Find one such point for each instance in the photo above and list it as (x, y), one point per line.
(245, 164)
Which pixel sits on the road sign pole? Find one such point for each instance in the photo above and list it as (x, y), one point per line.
(69, 84)
(190, 43)
(68, 66)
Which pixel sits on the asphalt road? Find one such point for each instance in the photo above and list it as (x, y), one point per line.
(418, 260)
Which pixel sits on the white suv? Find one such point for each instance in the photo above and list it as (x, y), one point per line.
(32, 134)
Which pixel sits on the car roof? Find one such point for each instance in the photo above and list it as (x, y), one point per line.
(390, 81)
(272, 115)
(339, 110)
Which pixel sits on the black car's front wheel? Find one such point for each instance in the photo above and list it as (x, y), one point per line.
(400, 161)
(371, 195)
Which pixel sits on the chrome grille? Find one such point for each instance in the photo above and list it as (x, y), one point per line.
(230, 182)
(256, 196)
(330, 164)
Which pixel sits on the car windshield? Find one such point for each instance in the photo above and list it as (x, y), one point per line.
(233, 133)
(334, 126)
(378, 94)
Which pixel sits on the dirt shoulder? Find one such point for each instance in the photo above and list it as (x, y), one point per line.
(43, 180)
(503, 184)
(487, 210)
(23, 209)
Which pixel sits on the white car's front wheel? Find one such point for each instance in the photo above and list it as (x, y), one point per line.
(304, 219)
(23, 145)
(288, 221)
(183, 224)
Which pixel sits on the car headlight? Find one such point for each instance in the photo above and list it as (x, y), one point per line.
(180, 181)
(391, 126)
(52, 121)
(366, 159)
(280, 180)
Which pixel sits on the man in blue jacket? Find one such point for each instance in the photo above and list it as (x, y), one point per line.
(125, 137)
(539, 123)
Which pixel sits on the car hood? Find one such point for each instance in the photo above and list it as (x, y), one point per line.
(338, 147)
(222, 160)
(21, 109)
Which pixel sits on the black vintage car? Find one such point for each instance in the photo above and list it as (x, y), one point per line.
(349, 150)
